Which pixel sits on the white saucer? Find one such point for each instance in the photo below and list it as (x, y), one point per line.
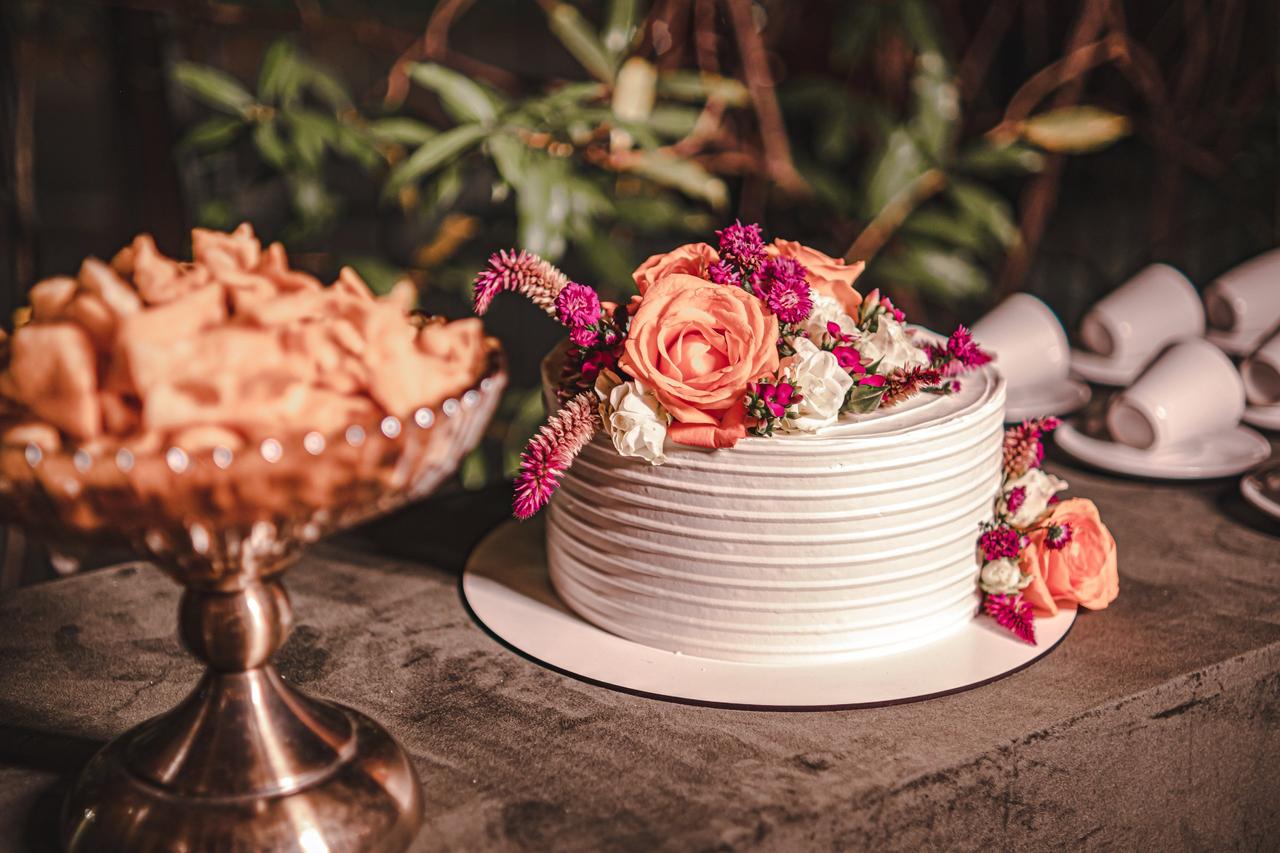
(1041, 401)
(1256, 493)
(1220, 455)
(1263, 417)
(1107, 370)
(1238, 342)
(506, 587)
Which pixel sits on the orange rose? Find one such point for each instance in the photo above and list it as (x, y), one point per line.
(691, 258)
(1083, 571)
(697, 345)
(827, 275)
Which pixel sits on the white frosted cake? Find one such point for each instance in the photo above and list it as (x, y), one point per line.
(858, 539)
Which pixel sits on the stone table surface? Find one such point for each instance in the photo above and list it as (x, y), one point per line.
(1153, 726)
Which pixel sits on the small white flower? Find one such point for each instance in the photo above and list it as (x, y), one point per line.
(1003, 577)
(822, 384)
(1037, 488)
(633, 417)
(891, 345)
(826, 310)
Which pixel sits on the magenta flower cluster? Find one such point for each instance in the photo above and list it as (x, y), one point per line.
(769, 402)
(850, 359)
(960, 353)
(742, 245)
(783, 282)
(1001, 542)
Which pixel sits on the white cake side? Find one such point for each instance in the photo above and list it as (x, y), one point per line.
(859, 540)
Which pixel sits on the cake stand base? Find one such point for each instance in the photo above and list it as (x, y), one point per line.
(367, 799)
(507, 590)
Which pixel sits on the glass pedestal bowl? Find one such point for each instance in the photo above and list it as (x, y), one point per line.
(245, 762)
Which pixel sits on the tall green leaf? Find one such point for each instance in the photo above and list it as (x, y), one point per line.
(213, 133)
(683, 175)
(944, 273)
(898, 163)
(280, 78)
(986, 209)
(543, 206)
(215, 88)
(984, 158)
(619, 27)
(465, 100)
(580, 39)
(401, 130)
(935, 106)
(433, 154)
(694, 86)
(266, 138)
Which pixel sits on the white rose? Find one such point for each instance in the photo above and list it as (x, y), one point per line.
(826, 310)
(1037, 488)
(633, 418)
(1003, 577)
(891, 345)
(822, 384)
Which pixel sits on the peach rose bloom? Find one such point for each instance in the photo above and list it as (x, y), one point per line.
(691, 259)
(1083, 572)
(697, 344)
(827, 275)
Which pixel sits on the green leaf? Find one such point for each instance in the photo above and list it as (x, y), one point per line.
(400, 130)
(326, 86)
(635, 90)
(311, 132)
(218, 214)
(433, 154)
(683, 175)
(509, 155)
(898, 163)
(215, 88)
(279, 78)
(357, 144)
(580, 39)
(919, 25)
(673, 122)
(462, 97)
(543, 207)
(983, 158)
(946, 274)
(266, 138)
(473, 472)
(656, 213)
(440, 194)
(212, 134)
(947, 228)
(1075, 130)
(935, 106)
(619, 27)
(986, 209)
(610, 263)
(695, 86)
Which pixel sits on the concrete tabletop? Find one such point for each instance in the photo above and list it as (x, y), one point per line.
(1153, 726)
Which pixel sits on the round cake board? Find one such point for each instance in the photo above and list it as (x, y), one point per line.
(506, 587)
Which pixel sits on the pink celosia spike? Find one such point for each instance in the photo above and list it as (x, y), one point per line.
(1023, 449)
(1014, 613)
(550, 452)
(519, 272)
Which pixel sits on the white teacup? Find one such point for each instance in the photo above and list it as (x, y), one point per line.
(1150, 310)
(1193, 389)
(1027, 340)
(1246, 297)
(1261, 373)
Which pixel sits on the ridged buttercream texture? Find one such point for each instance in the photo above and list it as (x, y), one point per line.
(858, 540)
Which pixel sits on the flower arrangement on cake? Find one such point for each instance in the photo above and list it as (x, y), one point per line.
(749, 338)
(1040, 550)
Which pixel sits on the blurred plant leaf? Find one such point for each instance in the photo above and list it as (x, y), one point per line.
(311, 132)
(431, 155)
(919, 25)
(280, 78)
(543, 207)
(947, 228)
(695, 86)
(462, 97)
(610, 264)
(401, 130)
(986, 209)
(944, 273)
(984, 158)
(440, 194)
(357, 144)
(935, 106)
(673, 121)
(509, 155)
(581, 40)
(212, 134)
(1074, 130)
(658, 212)
(326, 86)
(312, 200)
(216, 213)
(473, 472)
(619, 27)
(635, 91)
(898, 163)
(684, 175)
(266, 138)
(215, 88)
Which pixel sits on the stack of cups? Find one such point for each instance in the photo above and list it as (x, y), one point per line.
(1135, 322)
